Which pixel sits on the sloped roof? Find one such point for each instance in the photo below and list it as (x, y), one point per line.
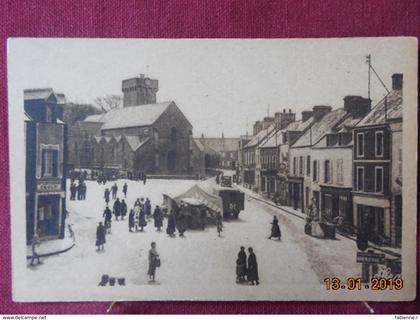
(260, 136)
(320, 128)
(94, 118)
(198, 144)
(43, 94)
(276, 139)
(26, 117)
(392, 103)
(220, 144)
(135, 142)
(136, 116)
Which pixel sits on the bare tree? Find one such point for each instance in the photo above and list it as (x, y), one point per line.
(109, 102)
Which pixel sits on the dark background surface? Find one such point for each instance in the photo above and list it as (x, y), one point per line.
(188, 19)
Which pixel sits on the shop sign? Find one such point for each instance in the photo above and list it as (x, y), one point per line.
(48, 186)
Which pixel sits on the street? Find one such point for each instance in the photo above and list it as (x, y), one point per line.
(202, 263)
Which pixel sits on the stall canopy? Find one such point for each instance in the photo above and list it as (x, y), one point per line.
(200, 196)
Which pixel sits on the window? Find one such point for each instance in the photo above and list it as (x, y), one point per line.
(49, 114)
(284, 137)
(308, 166)
(379, 143)
(173, 134)
(294, 165)
(327, 171)
(360, 177)
(360, 144)
(400, 162)
(315, 171)
(379, 179)
(49, 163)
(301, 165)
(339, 171)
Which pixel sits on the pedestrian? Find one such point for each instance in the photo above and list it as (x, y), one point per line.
(142, 220)
(131, 220)
(241, 266)
(144, 178)
(123, 209)
(137, 210)
(219, 223)
(181, 220)
(275, 229)
(252, 268)
(148, 208)
(217, 179)
(84, 188)
(36, 242)
(154, 261)
(114, 189)
(125, 187)
(73, 191)
(117, 208)
(106, 196)
(170, 229)
(108, 217)
(100, 236)
(158, 217)
(79, 191)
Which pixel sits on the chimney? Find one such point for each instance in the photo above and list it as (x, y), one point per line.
(268, 121)
(397, 81)
(320, 111)
(257, 127)
(357, 106)
(306, 115)
(283, 119)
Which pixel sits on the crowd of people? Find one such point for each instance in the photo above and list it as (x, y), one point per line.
(78, 191)
(141, 214)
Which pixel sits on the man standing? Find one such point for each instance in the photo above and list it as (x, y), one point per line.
(117, 208)
(100, 237)
(123, 209)
(108, 217)
(106, 196)
(114, 191)
(158, 217)
(252, 268)
(125, 187)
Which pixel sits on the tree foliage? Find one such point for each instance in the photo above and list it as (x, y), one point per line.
(74, 112)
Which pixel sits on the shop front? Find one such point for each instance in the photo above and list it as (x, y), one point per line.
(373, 215)
(296, 193)
(336, 202)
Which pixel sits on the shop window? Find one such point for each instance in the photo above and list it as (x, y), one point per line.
(379, 179)
(49, 163)
(379, 143)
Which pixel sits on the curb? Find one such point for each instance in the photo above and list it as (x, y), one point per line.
(43, 255)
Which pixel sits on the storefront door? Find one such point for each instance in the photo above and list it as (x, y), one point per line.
(48, 215)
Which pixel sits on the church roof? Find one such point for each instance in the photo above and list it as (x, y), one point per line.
(136, 116)
(43, 94)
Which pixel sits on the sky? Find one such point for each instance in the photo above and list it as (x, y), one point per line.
(222, 86)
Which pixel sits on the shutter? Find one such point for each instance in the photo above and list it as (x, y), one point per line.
(42, 163)
(55, 163)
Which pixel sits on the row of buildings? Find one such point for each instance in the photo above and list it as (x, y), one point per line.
(346, 162)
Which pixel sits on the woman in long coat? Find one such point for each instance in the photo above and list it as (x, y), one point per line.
(241, 265)
(158, 217)
(142, 219)
(123, 209)
(252, 268)
(181, 221)
(106, 195)
(131, 220)
(148, 208)
(154, 262)
(170, 229)
(275, 229)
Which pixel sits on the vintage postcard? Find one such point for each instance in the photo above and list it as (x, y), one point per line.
(224, 169)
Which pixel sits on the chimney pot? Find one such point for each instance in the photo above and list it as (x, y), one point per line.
(357, 106)
(397, 81)
(284, 110)
(306, 115)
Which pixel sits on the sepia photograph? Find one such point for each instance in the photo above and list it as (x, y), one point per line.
(222, 170)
